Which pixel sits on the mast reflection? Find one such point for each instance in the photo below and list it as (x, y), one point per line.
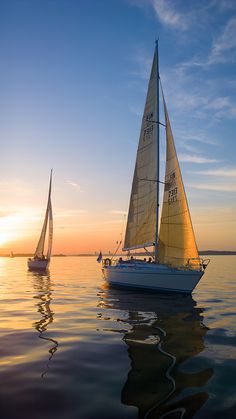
(42, 285)
(165, 330)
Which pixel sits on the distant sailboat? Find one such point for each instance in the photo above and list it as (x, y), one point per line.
(40, 261)
(175, 264)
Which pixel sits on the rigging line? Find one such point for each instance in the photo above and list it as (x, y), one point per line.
(149, 253)
(121, 238)
(159, 123)
(119, 243)
(155, 122)
(153, 180)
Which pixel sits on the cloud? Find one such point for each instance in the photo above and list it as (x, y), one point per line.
(186, 138)
(222, 49)
(169, 16)
(222, 106)
(5, 213)
(201, 103)
(15, 187)
(118, 212)
(61, 213)
(225, 43)
(214, 187)
(195, 159)
(224, 172)
(201, 138)
(74, 185)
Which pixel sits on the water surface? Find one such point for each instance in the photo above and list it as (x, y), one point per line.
(71, 347)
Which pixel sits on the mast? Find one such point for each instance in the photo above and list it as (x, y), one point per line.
(158, 147)
(50, 187)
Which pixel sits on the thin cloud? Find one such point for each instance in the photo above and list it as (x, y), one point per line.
(21, 215)
(214, 187)
(15, 187)
(169, 16)
(186, 158)
(224, 44)
(222, 50)
(220, 106)
(201, 138)
(74, 185)
(61, 213)
(5, 213)
(223, 172)
(118, 212)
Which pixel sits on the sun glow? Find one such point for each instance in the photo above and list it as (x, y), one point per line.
(14, 226)
(5, 237)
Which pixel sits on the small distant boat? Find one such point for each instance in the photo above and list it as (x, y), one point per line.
(174, 265)
(40, 261)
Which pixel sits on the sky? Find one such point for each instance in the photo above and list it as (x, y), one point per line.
(73, 83)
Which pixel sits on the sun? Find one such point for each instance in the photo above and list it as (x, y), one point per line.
(5, 237)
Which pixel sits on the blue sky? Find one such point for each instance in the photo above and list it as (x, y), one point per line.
(73, 81)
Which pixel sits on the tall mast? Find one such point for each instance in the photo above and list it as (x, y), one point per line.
(158, 170)
(50, 186)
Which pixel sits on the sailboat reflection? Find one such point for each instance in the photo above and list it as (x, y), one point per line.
(42, 286)
(164, 331)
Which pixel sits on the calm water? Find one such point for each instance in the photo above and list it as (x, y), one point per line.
(70, 347)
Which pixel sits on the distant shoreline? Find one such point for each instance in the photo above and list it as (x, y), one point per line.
(201, 252)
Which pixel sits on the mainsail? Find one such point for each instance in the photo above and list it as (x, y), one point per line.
(141, 224)
(50, 231)
(48, 219)
(177, 245)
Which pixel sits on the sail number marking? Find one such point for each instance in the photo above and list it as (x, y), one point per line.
(148, 130)
(172, 196)
(171, 188)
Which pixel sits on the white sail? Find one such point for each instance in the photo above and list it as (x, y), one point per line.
(39, 252)
(177, 245)
(141, 224)
(50, 231)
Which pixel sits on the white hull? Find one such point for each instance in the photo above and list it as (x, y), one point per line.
(35, 264)
(152, 277)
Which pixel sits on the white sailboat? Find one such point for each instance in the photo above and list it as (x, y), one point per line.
(40, 260)
(174, 265)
